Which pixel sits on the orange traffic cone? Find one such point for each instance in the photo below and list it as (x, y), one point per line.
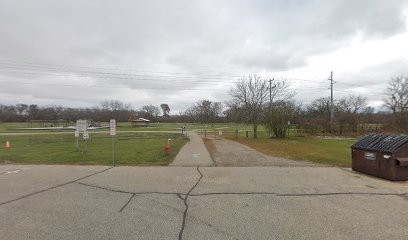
(7, 145)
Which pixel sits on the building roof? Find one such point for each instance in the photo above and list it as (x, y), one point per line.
(381, 143)
(141, 120)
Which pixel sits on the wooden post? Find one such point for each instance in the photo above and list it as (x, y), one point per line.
(236, 133)
(246, 134)
(205, 133)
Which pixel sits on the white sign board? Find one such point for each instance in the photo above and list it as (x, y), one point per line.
(112, 127)
(81, 125)
(86, 135)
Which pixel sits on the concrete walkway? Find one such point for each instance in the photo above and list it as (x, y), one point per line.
(193, 154)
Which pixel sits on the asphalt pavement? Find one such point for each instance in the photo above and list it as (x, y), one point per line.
(96, 202)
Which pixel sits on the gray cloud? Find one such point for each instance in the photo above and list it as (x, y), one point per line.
(206, 41)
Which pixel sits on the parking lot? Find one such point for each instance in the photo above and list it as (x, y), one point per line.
(98, 202)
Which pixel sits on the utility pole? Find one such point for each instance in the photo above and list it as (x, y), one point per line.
(270, 92)
(331, 96)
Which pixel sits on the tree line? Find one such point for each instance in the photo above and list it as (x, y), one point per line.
(102, 113)
(253, 101)
(256, 103)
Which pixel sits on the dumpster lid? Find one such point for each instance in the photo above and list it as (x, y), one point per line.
(382, 143)
(402, 161)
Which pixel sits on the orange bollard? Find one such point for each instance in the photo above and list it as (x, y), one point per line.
(167, 149)
(7, 145)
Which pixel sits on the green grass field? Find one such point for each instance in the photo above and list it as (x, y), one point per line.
(326, 151)
(130, 149)
(137, 148)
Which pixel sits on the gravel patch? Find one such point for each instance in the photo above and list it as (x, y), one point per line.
(229, 153)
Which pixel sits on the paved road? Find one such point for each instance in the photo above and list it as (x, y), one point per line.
(84, 202)
(194, 153)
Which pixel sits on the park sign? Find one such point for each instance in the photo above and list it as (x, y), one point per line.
(112, 127)
(81, 125)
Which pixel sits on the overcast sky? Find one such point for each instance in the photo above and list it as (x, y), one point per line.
(78, 53)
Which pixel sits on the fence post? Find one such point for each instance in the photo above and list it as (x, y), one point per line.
(236, 133)
(246, 134)
(205, 133)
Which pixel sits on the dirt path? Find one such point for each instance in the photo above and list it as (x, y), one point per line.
(229, 153)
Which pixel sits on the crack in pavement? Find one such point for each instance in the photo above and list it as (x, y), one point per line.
(54, 187)
(180, 237)
(180, 195)
(184, 199)
(130, 199)
(298, 194)
(128, 192)
(184, 196)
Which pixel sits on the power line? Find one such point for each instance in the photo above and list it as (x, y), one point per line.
(150, 62)
(178, 75)
(270, 92)
(187, 79)
(110, 70)
(111, 74)
(108, 86)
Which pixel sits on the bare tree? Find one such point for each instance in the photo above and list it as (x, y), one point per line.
(215, 111)
(250, 94)
(114, 105)
(278, 117)
(165, 109)
(397, 100)
(22, 109)
(318, 115)
(348, 110)
(281, 92)
(150, 111)
(280, 108)
(205, 111)
(352, 103)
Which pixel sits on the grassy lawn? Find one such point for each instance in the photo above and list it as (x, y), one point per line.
(131, 149)
(327, 151)
(148, 148)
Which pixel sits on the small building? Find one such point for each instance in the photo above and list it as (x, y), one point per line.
(140, 122)
(384, 156)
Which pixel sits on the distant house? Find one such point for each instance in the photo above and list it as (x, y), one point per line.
(140, 122)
